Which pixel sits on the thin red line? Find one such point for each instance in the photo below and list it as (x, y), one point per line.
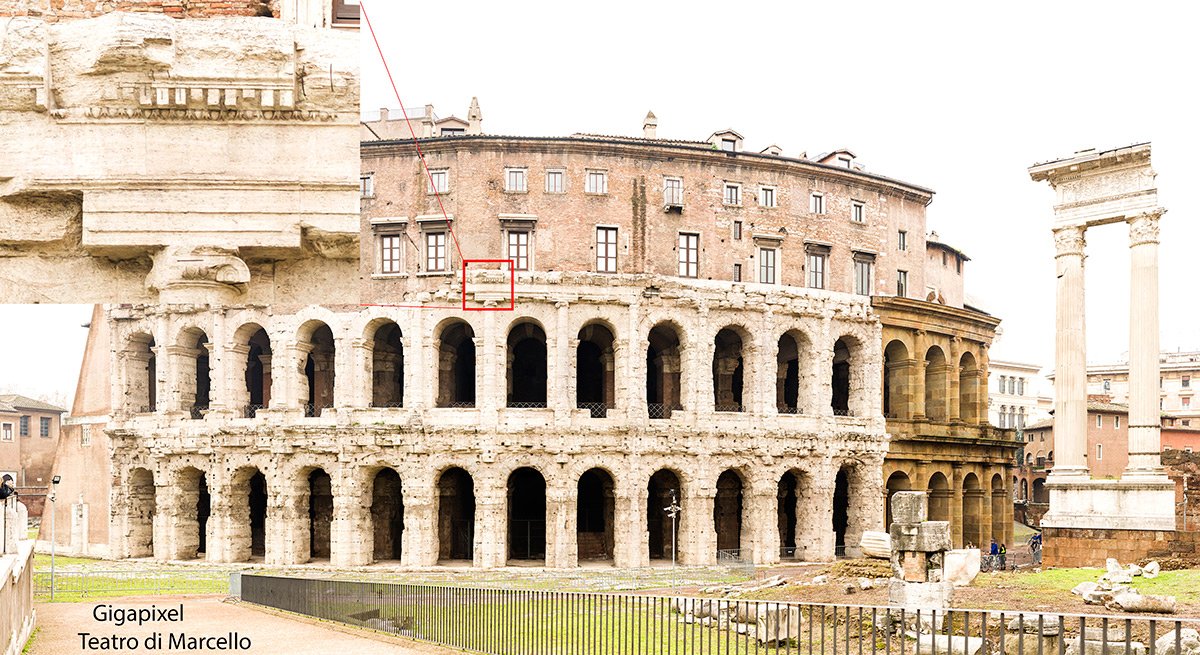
(362, 7)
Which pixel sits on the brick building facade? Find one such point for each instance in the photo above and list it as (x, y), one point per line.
(29, 435)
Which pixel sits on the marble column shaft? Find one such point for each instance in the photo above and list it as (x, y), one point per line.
(1070, 357)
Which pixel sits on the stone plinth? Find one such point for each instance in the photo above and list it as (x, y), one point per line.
(1111, 504)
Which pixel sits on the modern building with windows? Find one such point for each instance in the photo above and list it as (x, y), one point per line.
(29, 430)
(1018, 395)
(542, 362)
(1178, 381)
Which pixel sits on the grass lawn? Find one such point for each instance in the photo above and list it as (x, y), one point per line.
(41, 562)
(1184, 585)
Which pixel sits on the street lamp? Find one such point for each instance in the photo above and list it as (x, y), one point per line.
(53, 491)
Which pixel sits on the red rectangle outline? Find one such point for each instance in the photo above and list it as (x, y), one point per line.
(512, 285)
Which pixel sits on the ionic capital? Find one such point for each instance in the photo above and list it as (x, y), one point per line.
(1069, 241)
(1143, 228)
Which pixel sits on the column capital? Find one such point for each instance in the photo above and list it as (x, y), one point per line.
(1069, 241)
(1143, 228)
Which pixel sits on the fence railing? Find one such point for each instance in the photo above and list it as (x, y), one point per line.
(512, 622)
(598, 410)
(76, 585)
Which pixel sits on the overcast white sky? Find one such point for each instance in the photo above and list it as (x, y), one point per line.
(958, 97)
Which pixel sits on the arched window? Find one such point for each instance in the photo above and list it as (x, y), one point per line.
(595, 364)
(526, 366)
(728, 371)
(664, 371)
(456, 366)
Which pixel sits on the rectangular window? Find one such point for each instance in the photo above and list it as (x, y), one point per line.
(435, 252)
(345, 12)
(6, 432)
(597, 182)
(85, 436)
(863, 269)
(514, 180)
(439, 181)
(766, 265)
(1186, 382)
(737, 272)
(606, 249)
(556, 182)
(366, 185)
(902, 284)
(1020, 386)
(1107, 385)
(1117, 422)
(816, 203)
(858, 212)
(728, 145)
(518, 249)
(689, 255)
(733, 194)
(391, 253)
(766, 196)
(1099, 451)
(24, 423)
(816, 269)
(673, 192)
(44, 427)
(1099, 420)
(1187, 402)
(737, 230)
(902, 240)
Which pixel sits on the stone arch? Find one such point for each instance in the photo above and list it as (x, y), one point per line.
(972, 512)
(456, 364)
(855, 504)
(664, 487)
(939, 497)
(793, 382)
(247, 509)
(1024, 489)
(897, 387)
(526, 364)
(387, 363)
(897, 481)
(526, 514)
(320, 514)
(664, 370)
(848, 381)
(194, 507)
(252, 344)
(140, 512)
(455, 515)
(936, 384)
(595, 531)
(728, 369)
(141, 376)
(968, 388)
(1040, 495)
(387, 514)
(595, 369)
(193, 376)
(794, 486)
(728, 506)
(317, 383)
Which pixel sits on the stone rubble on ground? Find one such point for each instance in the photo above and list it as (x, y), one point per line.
(1189, 643)
(1112, 589)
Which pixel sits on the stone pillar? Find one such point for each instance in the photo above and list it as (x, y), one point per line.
(954, 380)
(698, 536)
(921, 343)
(420, 520)
(629, 528)
(761, 507)
(823, 363)
(288, 523)
(1144, 415)
(234, 385)
(1070, 359)
(357, 388)
(352, 538)
(491, 521)
(956, 506)
(981, 387)
(562, 547)
(560, 345)
(815, 539)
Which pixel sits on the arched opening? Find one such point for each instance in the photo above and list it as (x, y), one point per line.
(456, 515)
(841, 511)
(258, 369)
(387, 515)
(141, 395)
(663, 371)
(727, 371)
(792, 346)
(1024, 489)
(727, 514)
(319, 366)
(596, 508)
(191, 525)
(456, 366)
(193, 372)
(972, 512)
(258, 514)
(935, 384)
(939, 497)
(142, 505)
(526, 515)
(663, 492)
(320, 514)
(595, 365)
(788, 497)
(526, 366)
(840, 400)
(387, 366)
(896, 394)
(897, 481)
(968, 389)
(999, 500)
(1039, 491)
(247, 507)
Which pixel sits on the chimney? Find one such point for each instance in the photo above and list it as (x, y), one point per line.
(427, 122)
(474, 118)
(383, 114)
(650, 126)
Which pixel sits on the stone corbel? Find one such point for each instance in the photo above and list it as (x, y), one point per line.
(196, 275)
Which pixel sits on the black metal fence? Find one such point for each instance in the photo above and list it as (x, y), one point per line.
(520, 622)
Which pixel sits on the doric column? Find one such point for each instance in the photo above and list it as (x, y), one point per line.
(562, 542)
(1144, 421)
(1070, 359)
(956, 506)
(697, 534)
(917, 373)
(981, 387)
(761, 505)
(420, 519)
(559, 394)
(351, 536)
(823, 365)
(629, 527)
(954, 381)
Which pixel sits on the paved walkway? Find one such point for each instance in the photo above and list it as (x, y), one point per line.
(59, 625)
